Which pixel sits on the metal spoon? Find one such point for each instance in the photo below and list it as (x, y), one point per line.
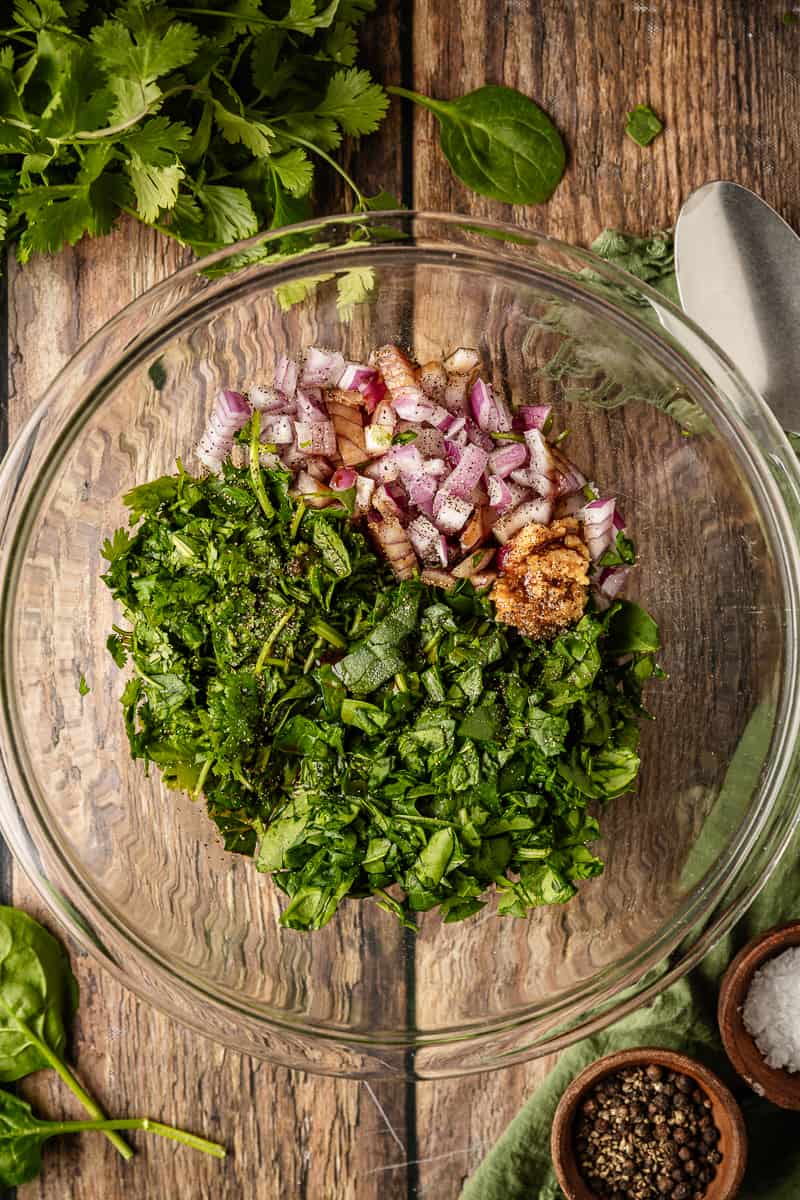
(738, 269)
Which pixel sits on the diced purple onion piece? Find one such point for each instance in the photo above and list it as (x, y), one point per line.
(421, 491)
(278, 428)
(377, 438)
(490, 410)
(267, 400)
(343, 479)
(285, 378)
(230, 413)
(507, 459)
(461, 361)
(435, 466)
(309, 407)
(321, 368)
(450, 512)
(500, 496)
(355, 377)
(364, 490)
(467, 474)
(598, 526)
(318, 437)
(532, 416)
(530, 511)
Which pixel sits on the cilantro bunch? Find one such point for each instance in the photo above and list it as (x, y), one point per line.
(356, 735)
(203, 120)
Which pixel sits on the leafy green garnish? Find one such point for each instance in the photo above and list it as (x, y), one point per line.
(498, 142)
(83, 687)
(38, 993)
(22, 1136)
(353, 733)
(643, 125)
(622, 553)
(206, 122)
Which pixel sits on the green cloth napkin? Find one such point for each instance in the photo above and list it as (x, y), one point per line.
(684, 1016)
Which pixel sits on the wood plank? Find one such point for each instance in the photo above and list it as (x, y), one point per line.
(726, 80)
(289, 1134)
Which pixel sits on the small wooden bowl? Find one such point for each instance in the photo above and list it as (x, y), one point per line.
(724, 1109)
(781, 1087)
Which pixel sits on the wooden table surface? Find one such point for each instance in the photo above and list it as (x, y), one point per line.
(725, 77)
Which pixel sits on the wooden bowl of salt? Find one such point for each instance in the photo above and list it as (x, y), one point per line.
(759, 1014)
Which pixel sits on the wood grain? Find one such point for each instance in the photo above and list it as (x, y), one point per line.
(725, 76)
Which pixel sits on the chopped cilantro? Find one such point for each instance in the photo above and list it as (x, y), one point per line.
(643, 125)
(353, 733)
(83, 687)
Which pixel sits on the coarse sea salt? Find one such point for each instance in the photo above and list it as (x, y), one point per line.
(771, 1010)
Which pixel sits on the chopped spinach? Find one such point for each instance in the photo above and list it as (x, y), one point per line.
(643, 125)
(355, 734)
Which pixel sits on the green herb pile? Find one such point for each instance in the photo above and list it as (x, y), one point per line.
(353, 733)
(205, 121)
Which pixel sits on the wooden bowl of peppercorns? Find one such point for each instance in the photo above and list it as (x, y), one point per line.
(648, 1124)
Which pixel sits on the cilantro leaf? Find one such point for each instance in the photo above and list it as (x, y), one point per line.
(354, 101)
(643, 125)
(156, 188)
(147, 54)
(229, 213)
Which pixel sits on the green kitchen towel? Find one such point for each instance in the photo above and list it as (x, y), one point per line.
(684, 1016)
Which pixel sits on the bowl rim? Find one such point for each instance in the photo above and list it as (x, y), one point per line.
(725, 1187)
(701, 901)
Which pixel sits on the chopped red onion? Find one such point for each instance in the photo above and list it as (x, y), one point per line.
(407, 457)
(377, 439)
(343, 479)
(477, 437)
(421, 491)
(452, 452)
(570, 506)
(385, 415)
(598, 525)
(569, 479)
(531, 511)
(457, 426)
(321, 369)
(383, 470)
(315, 493)
(435, 466)
(357, 376)
(230, 413)
(619, 522)
(490, 410)
(507, 459)
(455, 394)
(267, 399)
(500, 496)
(285, 378)
(319, 467)
(364, 490)
(310, 406)
(467, 474)
(609, 584)
(450, 512)
(278, 429)
(429, 442)
(412, 404)
(316, 438)
(429, 543)
(532, 416)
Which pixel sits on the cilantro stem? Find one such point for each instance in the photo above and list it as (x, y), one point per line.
(564, 433)
(201, 778)
(326, 631)
(270, 642)
(256, 478)
(298, 141)
(400, 682)
(318, 644)
(507, 437)
(300, 512)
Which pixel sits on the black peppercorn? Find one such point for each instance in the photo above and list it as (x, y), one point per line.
(654, 1072)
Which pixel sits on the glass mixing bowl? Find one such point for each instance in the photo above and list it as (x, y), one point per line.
(711, 492)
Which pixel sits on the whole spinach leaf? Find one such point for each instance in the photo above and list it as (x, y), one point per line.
(498, 142)
(38, 992)
(22, 1136)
